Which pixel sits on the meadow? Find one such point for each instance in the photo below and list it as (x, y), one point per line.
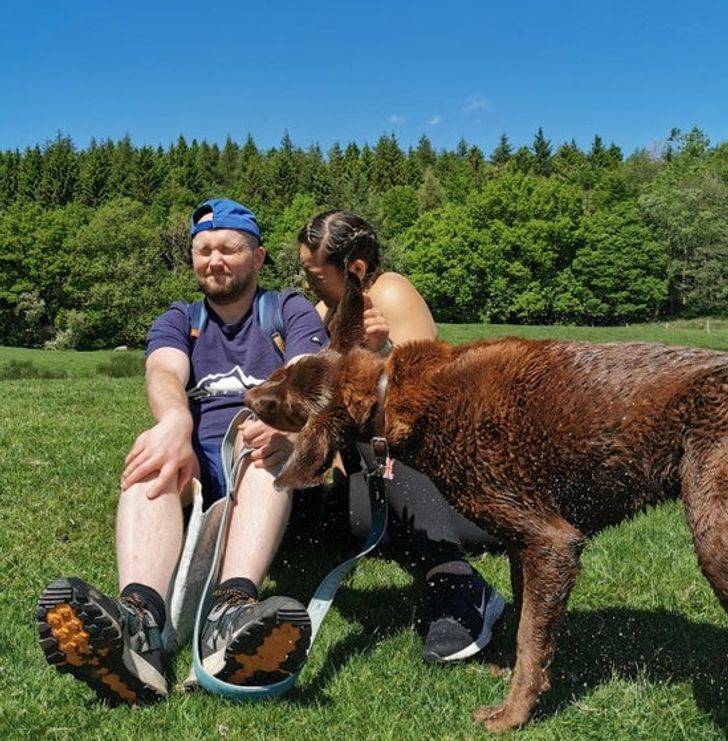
(643, 653)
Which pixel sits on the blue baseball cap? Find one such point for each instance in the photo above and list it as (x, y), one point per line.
(226, 214)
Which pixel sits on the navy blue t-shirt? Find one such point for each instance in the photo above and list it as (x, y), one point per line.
(226, 359)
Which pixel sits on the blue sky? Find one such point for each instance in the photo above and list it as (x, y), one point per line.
(329, 71)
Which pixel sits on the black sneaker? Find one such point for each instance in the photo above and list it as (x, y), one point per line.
(112, 646)
(462, 611)
(252, 643)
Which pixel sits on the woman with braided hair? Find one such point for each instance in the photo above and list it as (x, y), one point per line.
(425, 532)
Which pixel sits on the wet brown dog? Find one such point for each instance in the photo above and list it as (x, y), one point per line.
(542, 442)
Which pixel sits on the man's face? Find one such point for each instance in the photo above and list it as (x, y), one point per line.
(226, 263)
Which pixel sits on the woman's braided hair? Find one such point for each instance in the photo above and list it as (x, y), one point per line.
(344, 237)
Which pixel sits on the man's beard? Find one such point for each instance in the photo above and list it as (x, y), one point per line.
(229, 293)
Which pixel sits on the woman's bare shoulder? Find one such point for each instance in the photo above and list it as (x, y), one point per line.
(391, 287)
(403, 308)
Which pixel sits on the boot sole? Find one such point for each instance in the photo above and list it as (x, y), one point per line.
(78, 636)
(270, 648)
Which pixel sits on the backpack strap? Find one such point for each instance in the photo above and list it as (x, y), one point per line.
(270, 318)
(197, 314)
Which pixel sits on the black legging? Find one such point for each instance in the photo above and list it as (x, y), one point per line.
(424, 530)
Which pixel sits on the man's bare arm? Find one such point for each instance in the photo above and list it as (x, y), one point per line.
(168, 371)
(164, 450)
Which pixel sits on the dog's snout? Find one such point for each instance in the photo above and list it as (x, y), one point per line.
(268, 406)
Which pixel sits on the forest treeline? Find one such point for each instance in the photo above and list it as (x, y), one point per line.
(93, 242)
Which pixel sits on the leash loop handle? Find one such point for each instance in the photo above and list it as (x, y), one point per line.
(322, 598)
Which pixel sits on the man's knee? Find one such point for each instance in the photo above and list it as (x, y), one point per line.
(142, 488)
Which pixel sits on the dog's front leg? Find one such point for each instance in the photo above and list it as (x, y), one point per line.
(550, 564)
(514, 559)
(502, 666)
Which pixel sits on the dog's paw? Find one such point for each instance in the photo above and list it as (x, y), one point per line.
(500, 718)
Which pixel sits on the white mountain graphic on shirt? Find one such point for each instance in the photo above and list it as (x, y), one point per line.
(231, 383)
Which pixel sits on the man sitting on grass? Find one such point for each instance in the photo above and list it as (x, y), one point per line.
(195, 383)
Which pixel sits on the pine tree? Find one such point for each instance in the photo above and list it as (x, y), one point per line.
(542, 154)
(388, 164)
(431, 195)
(461, 150)
(426, 153)
(147, 175)
(614, 155)
(122, 175)
(178, 153)
(208, 170)
(522, 160)
(318, 176)
(93, 177)
(190, 173)
(251, 182)
(337, 175)
(361, 183)
(229, 163)
(30, 174)
(476, 159)
(9, 167)
(60, 172)
(413, 168)
(502, 153)
(283, 171)
(597, 155)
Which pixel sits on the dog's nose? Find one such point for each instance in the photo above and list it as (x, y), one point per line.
(266, 407)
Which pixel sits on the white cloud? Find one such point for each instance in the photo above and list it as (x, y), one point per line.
(477, 102)
(434, 120)
(396, 119)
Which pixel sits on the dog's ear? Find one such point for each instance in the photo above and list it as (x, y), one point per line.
(313, 452)
(347, 331)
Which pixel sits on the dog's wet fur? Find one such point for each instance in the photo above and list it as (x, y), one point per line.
(544, 443)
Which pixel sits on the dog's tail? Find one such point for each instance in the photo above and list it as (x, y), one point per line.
(705, 494)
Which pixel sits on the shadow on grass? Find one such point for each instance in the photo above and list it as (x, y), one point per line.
(658, 646)
(301, 564)
(594, 646)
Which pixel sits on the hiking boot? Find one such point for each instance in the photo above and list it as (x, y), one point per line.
(252, 643)
(114, 647)
(462, 611)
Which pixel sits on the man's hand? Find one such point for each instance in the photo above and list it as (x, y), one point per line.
(376, 331)
(271, 447)
(165, 449)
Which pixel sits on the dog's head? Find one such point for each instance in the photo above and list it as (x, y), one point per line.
(328, 398)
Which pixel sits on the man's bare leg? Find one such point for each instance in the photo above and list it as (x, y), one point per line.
(245, 641)
(148, 537)
(257, 526)
(107, 643)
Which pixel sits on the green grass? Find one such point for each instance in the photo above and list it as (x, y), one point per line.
(643, 652)
(75, 364)
(712, 333)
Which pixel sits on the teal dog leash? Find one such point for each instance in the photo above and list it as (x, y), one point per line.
(324, 595)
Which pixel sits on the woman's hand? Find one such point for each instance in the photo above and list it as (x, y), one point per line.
(376, 330)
